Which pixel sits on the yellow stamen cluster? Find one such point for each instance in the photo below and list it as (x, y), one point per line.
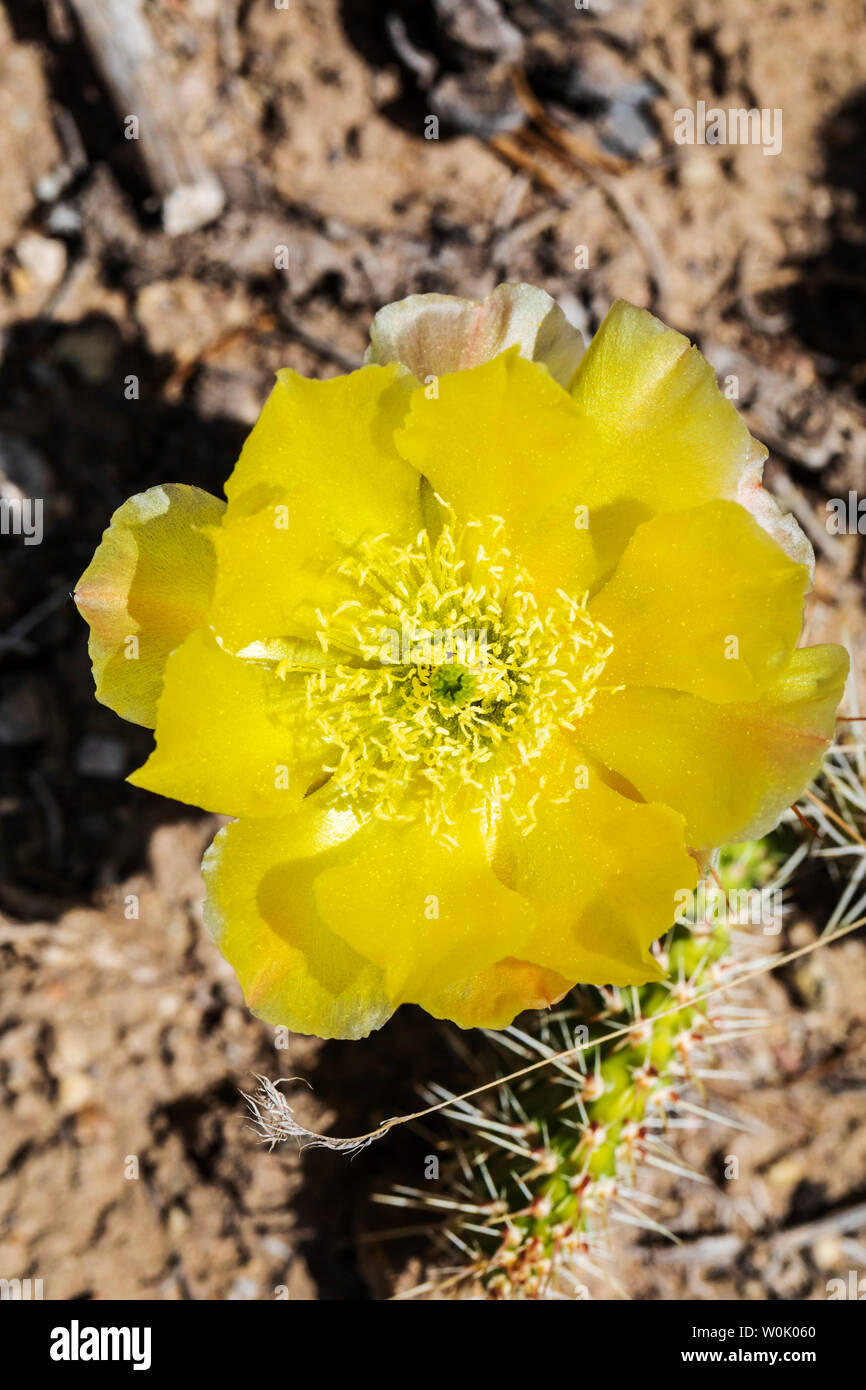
(455, 678)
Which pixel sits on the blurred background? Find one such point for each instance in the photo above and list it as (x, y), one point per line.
(194, 193)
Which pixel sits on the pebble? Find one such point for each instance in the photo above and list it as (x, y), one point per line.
(21, 719)
(23, 470)
(74, 1091)
(43, 258)
(64, 220)
(100, 755)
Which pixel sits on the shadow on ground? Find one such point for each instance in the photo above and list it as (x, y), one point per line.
(347, 1239)
(69, 435)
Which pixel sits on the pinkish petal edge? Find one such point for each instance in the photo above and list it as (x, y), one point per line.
(432, 334)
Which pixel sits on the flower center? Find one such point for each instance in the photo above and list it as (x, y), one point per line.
(457, 678)
(452, 685)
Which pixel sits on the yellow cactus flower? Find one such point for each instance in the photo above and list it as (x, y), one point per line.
(491, 644)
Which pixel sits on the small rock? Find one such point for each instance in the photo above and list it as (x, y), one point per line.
(100, 755)
(280, 1249)
(23, 471)
(21, 717)
(184, 317)
(243, 1289)
(828, 1253)
(481, 27)
(786, 1173)
(602, 83)
(74, 1092)
(698, 169)
(48, 187)
(177, 1220)
(90, 350)
(31, 148)
(83, 293)
(193, 205)
(64, 220)
(43, 258)
(221, 393)
(479, 102)
(627, 129)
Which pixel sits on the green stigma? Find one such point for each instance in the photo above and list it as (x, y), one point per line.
(452, 685)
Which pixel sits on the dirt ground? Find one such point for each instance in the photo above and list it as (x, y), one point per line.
(126, 1166)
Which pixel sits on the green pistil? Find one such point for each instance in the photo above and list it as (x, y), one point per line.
(452, 685)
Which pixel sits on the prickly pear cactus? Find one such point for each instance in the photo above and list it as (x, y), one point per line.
(533, 1180)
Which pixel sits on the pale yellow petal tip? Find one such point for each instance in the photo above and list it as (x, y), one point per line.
(147, 586)
(434, 334)
(782, 526)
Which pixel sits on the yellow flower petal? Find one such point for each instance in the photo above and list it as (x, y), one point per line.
(493, 998)
(333, 441)
(654, 406)
(429, 913)
(276, 574)
(504, 440)
(644, 430)
(704, 601)
(230, 735)
(731, 769)
(602, 873)
(146, 588)
(657, 435)
(261, 911)
(318, 472)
